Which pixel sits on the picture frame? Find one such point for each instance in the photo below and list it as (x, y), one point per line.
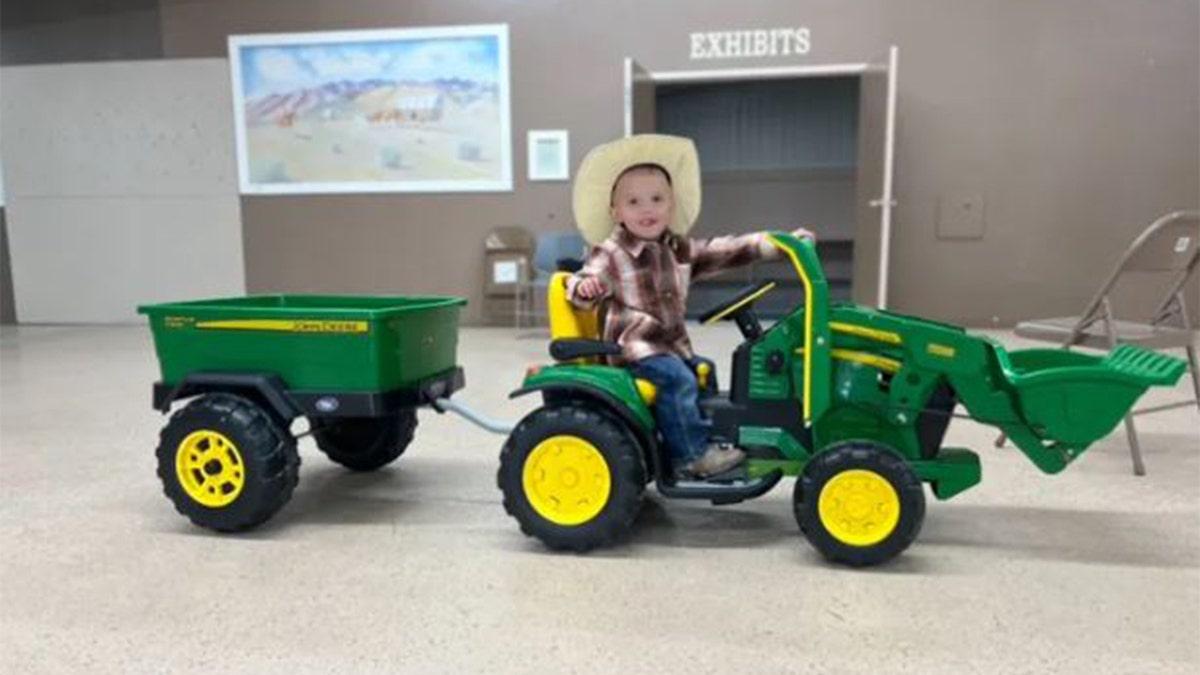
(396, 110)
(549, 155)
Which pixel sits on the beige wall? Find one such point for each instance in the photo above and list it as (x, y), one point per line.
(120, 187)
(1077, 120)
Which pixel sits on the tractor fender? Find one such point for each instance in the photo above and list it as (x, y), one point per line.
(605, 401)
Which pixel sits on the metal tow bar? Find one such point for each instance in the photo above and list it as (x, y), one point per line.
(443, 404)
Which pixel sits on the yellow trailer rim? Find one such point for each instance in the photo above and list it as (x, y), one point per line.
(210, 468)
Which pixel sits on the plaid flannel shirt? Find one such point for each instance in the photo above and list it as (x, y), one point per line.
(646, 285)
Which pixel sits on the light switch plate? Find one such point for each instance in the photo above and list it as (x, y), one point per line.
(961, 216)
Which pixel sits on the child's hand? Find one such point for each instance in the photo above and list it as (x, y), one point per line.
(801, 233)
(589, 289)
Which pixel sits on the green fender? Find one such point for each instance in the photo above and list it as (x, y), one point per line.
(610, 386)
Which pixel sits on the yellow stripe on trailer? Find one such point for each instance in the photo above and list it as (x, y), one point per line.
(869, 333)
(288, 326)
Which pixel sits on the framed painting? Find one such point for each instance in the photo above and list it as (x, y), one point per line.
(404, 110)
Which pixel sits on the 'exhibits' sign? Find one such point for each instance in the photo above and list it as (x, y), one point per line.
(734, 44)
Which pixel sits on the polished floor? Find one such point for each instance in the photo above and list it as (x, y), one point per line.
(416, 568)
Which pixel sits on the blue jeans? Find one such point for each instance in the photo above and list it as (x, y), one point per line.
(676, 409)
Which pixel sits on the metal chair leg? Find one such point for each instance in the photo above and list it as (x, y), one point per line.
(517, 308)
(1135, 449)
(1191, 352)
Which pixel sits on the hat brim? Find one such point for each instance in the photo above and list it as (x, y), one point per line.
(600, 168)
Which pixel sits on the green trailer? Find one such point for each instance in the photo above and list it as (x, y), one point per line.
(357, 368)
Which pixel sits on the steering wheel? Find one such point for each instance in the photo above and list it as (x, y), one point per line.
(740, 308)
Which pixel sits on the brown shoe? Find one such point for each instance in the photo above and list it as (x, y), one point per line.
(716, 460)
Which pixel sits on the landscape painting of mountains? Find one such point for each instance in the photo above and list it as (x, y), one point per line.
(407, 110)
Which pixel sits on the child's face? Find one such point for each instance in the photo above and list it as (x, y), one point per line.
(643, 200)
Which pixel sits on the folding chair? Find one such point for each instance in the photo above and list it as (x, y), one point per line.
(554, 252)
(1167, 249)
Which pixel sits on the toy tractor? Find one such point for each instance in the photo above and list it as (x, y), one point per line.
(852, 401)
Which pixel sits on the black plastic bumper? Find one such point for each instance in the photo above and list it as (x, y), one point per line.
(289, 404)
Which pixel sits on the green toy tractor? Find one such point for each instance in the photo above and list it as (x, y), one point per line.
(852, 401)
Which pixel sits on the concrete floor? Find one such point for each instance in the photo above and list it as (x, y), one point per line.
(417, 569)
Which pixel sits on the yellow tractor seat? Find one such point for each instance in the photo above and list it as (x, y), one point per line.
(572, 330)
(566, 320)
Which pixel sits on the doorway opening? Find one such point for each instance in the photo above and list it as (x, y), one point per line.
(784, 148)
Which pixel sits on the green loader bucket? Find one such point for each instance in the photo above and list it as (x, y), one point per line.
(1075, 399)
(1154, 368)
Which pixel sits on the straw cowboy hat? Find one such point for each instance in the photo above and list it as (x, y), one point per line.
(598, 173)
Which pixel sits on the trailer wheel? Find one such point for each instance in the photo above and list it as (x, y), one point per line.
(572, 477)
(225, 463)
(859, 504)
(365, 443)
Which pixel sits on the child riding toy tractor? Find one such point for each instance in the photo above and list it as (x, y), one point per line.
(852, 401)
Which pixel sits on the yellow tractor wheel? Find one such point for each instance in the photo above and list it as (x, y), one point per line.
(859, 503)
(572, 476)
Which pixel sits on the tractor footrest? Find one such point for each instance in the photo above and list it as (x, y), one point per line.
(720, 493)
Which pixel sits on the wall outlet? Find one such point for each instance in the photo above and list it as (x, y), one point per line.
(960, 216)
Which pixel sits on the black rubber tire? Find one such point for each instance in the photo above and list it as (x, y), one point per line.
(872, 457)
(269, 456)
(615, 443)
(365, 443)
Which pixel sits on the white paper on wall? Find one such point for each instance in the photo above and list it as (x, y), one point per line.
(505, 272)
